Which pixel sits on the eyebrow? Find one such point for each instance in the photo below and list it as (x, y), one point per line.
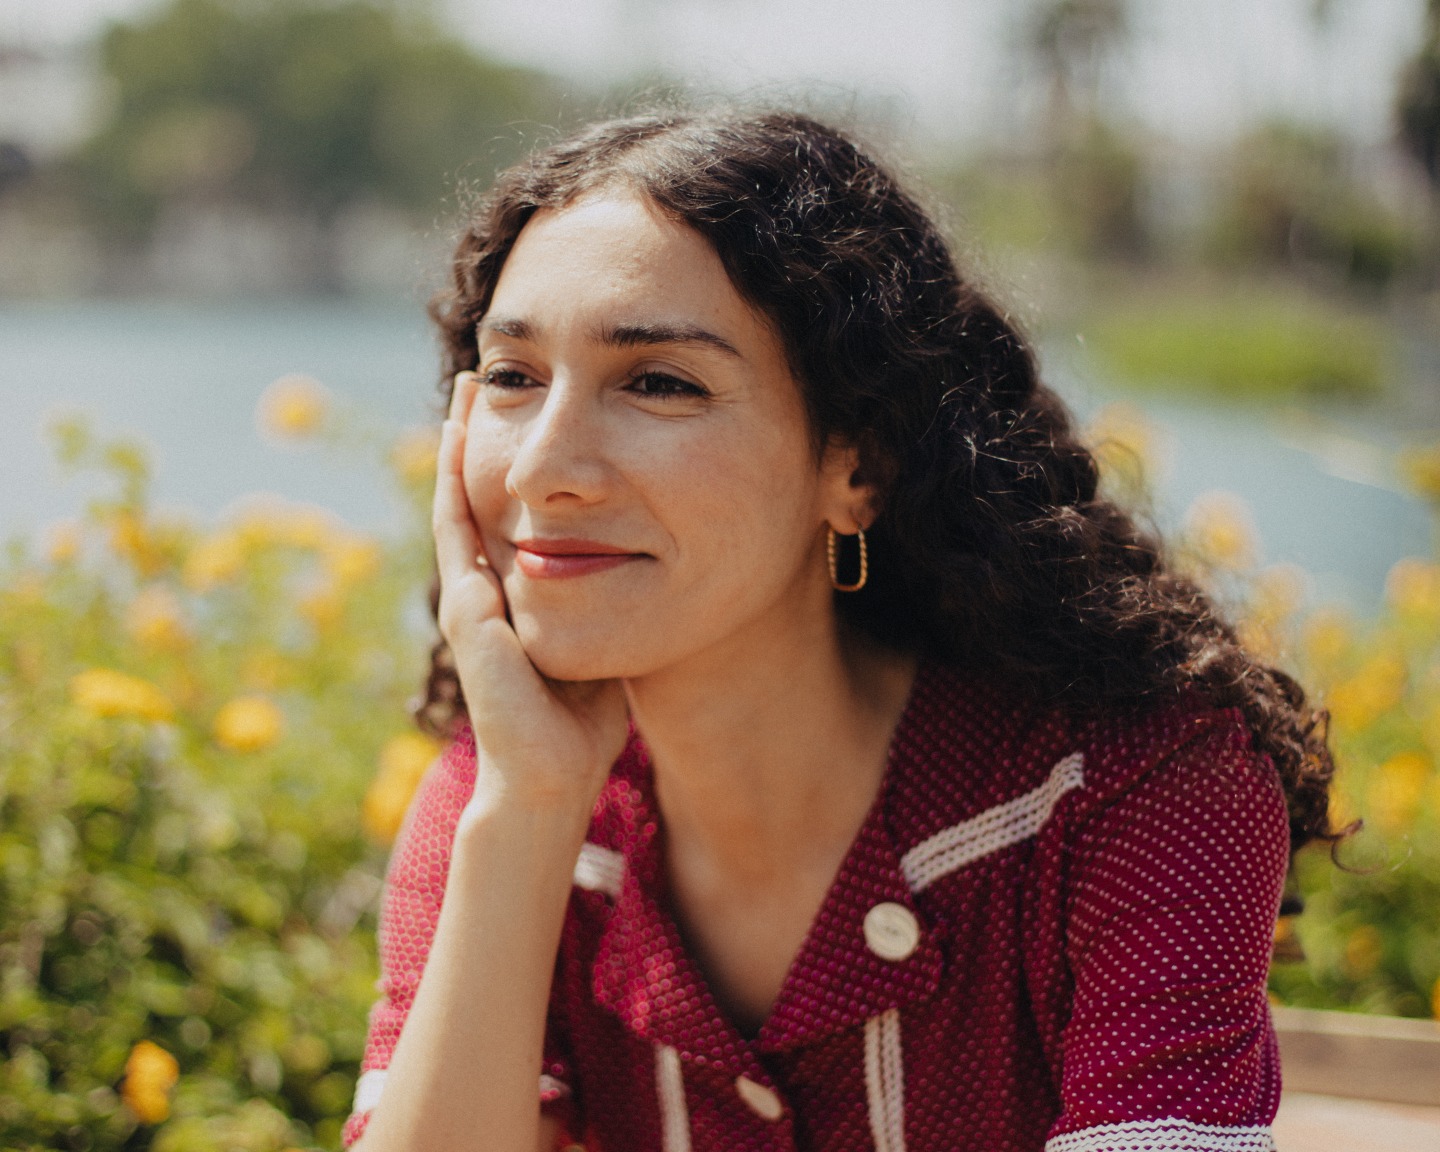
(505, 326)
(623, 335)
(635, 335)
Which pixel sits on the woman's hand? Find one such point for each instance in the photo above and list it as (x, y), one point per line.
(538, 741)
(463, 1071)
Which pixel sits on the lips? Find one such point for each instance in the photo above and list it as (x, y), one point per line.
(548, 559)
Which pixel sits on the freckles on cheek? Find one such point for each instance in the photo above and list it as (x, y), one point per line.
(485, 488)
(720, 494)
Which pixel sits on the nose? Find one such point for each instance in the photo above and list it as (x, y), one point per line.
(560, 457)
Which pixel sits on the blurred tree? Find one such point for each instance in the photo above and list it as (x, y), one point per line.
(1097, 171)
(1419, 102)
(294, 106)
(15, 165)
(1072, 42)
(1293, 197)
(1099, 191)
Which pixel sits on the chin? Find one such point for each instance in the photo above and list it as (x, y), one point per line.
(576, 652)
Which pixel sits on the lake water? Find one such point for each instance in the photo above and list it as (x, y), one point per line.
(185, 378)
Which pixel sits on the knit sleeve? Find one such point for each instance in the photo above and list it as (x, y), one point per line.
(409, 913)
(1173, 892)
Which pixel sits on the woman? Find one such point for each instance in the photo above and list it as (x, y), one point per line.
(830, 766)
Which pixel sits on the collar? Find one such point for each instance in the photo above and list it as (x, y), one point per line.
(644, 975)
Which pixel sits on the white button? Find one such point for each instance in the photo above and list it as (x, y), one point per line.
(763, 1101)
(891, 931)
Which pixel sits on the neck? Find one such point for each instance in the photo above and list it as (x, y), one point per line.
(768, 750)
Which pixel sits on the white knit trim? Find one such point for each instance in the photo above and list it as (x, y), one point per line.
(552, 1084)
(367, 1089)
(993, 829)
(885, 1081)
(1164, 1136)
(599, 869)
(670, 1086)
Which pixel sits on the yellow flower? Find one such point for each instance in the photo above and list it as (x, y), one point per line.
(154, 620)
(351, 559)
(305, 526)
(1413, 587)
(1276, 593)
(106, 692)
(30, 658)
(1397, 789)
(1421, 467)
(1430, 728)
(307, 1054)
(323, 607)
(271, 522)
(347, 561)
(264, 668)
(249, 724)
(1219, 528)
(1125, 447)
(1341, 806)
(64, 542)
(1285, 944)
(1259, 638)
(1435, 1000)
(150, 1074)
(216, 559)
(1364, 949)
(414, 454)
(1375, 689)
(403, 762)
(1327, 637)
(293, 407)
(131, 538)
(28, 591)
(409, 755)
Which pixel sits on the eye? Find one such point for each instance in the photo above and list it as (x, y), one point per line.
(507, 379)
(662, 385)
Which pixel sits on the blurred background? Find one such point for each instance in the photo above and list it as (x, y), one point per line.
(219, 222)
(1226, 215)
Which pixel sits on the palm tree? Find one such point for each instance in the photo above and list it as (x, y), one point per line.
(1418, 106)
(1072, 41)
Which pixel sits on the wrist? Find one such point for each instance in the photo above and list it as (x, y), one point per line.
(503, 820)
(508, 789)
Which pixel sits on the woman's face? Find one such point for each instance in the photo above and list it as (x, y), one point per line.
(637, 457)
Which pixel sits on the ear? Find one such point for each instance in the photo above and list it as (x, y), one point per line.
(847, 502)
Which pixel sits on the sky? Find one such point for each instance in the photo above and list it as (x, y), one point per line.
(1196, 70)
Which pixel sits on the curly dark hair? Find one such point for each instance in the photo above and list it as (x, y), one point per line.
(992, 549)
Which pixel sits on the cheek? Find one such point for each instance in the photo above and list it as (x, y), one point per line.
(729, 508)
(485, 468)
(741, 509)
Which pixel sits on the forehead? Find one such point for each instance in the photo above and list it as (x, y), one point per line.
(617, 249)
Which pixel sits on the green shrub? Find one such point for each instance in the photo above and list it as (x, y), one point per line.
(1369, 938)
(204, 750)
(1247, 345)
(1370, 935)
(189, 722)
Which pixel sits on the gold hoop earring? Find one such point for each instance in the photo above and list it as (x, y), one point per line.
(864, 563)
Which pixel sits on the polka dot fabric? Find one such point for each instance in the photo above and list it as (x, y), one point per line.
(1082, 968)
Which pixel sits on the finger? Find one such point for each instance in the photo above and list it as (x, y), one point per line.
(462, 396)
(462, 399)
(457, 541)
